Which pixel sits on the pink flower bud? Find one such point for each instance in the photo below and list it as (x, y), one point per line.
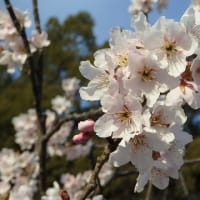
(81, 138)
(86, 126)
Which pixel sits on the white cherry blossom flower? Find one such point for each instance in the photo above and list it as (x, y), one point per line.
(184, 93)
(147, 78)
(39, 40)
(76, 151)
(162, 116)
(171, 45)
(70, 85)
(56, 144)
(4, 187)
(60, 104)
(195, 68)
(99, 81)
(53, 193)
(141, 5)
(122, 117)
(140, 149)
(26, 129)
(158, 177)
(23, 192)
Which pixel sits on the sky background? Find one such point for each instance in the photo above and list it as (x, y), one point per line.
(106, 13)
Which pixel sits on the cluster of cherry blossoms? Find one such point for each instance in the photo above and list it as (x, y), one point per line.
(18, 174)
(142, 80)
(19, 170)
(27, 127)
(12, 50)
(145, 6)
(74, 184)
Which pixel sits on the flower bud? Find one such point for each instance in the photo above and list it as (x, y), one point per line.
(81, 138)
(86, 126)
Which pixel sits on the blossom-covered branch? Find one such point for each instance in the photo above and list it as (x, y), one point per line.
(34, 78)
(93, 113)
(92, 184)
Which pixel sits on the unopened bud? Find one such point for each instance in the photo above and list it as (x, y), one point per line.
(82, 137)
(86, 126)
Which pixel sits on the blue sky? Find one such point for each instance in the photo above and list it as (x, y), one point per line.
(106, 13)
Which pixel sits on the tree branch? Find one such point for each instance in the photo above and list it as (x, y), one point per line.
(92, 184)
(75, 117)
(18, 27)
(149, 190)
(192, 161)
(184, 186)
(36, 80)
(36, 16)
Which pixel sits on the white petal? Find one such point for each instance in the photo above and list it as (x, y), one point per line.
(121, 156)
(104, 126)
(89, 71)
(174, 97)
(159, 179)
(139, 22)
(142, 158)
(142, 180)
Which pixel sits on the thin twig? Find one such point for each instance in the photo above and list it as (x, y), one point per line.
(125, 173)
(192, 161)
(92, 184)
(75, 117)
(36, 15)
(149, 190)
(184, 186)
(165, 194)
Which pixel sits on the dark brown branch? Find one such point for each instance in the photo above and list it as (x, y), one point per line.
(192, 161)
(18, 27)
(125, 173)
(75, 117)
(91, 186)
(36, 81)
(165, 194)
(39, 70)
(36, 16)
(34, 78)
(39, 65)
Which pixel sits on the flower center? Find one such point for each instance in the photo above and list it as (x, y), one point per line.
(147, 74)
(123, 60)
(102, 81)
(157, 120)
(138, 140)
(169, 46)
(124, 115)
(156, 155)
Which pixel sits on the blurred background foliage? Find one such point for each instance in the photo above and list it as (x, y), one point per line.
(73, 40)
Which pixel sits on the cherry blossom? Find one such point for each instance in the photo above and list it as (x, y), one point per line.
(122, 117)
(61, 104)
(39, 40)
(70, 85)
